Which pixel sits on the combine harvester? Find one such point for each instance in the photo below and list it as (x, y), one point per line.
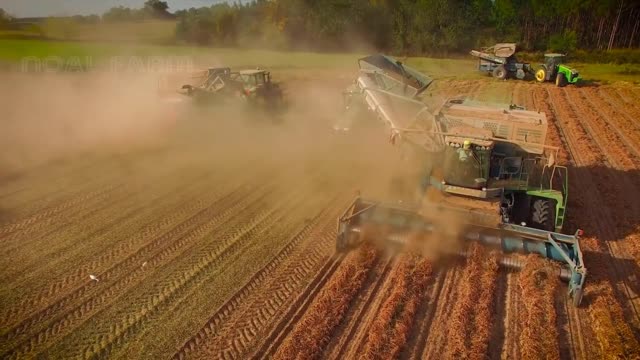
(472, 155)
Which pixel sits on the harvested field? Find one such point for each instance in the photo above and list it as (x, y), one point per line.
(216, 239)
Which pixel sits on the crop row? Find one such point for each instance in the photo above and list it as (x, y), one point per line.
(538, 284)
(311, 334)
(391, 328)
(471, 317)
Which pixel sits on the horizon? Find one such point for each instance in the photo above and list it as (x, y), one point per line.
(44, 8)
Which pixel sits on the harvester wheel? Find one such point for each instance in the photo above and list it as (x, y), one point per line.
(543, 214)
(341, 243)
(345, 241)
(577, 298)
(541, 75)
(561, 80)
(500, 73)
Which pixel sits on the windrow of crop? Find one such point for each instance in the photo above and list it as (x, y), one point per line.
(472, 314)
(312, 333)
(538, 285)
(391, 329)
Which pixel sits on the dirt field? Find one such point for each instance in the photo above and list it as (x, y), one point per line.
(216, 240)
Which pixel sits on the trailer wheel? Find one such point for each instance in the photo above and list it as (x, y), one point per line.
(543, 214)
(561, 80)
(541, 75)
(500, 73)
(520, 74)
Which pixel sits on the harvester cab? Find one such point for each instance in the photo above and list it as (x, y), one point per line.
(554, 70)
(474, 155)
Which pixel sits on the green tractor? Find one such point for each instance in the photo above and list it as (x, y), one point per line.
(553, 69)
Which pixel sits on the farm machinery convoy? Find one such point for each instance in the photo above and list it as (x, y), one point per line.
(500, 61)
(471, 154)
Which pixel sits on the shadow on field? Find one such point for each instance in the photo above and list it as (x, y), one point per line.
(606, 260)
(617, 189)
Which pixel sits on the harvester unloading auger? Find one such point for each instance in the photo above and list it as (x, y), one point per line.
(464, 150)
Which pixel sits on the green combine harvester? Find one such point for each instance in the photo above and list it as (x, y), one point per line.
(554, 70)
(489, 163)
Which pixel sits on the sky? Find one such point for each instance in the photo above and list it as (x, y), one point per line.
(37, 8)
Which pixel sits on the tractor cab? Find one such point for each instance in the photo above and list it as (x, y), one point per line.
(257, 87)
(552, 61)
(554, 70)
(254, 78)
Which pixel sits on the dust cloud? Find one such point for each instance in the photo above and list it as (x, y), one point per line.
(48, 116)
(152, 132)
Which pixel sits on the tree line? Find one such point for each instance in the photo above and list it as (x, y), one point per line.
(409, 27)
(417, 26)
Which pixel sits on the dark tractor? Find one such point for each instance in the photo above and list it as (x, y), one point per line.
(258, 89)
(554, 70)
(254, 87)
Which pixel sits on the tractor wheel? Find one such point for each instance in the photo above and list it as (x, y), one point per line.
(543, 214)
(500, 73)
(561, 80)
(541, 75)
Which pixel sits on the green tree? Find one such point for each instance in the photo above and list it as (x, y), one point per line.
(156, 8)
(5, 18)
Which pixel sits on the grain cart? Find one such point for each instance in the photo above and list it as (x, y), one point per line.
(253, 86)
(473, 155)
(554, 70)
(499, 60)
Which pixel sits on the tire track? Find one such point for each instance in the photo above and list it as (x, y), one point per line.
(254, 303)
(78, 203)
(81, 273)
(424, 320)
(53, 181)
(116, 267)
(363, 308)
(390, 331)
(629, 113)
(296, 310)
(436, 341)
(604, 220)
(236, 336)
(152, 229)
(513, 327)
(193, 269)
(607, 131)
(500, 328)
(627, 96)
(128, 272)
(595, 213)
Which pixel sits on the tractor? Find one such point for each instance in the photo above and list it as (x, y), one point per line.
(489, 164)
(554, 70)
(253, 87)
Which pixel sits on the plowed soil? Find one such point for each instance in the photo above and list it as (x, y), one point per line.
(218, 242)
